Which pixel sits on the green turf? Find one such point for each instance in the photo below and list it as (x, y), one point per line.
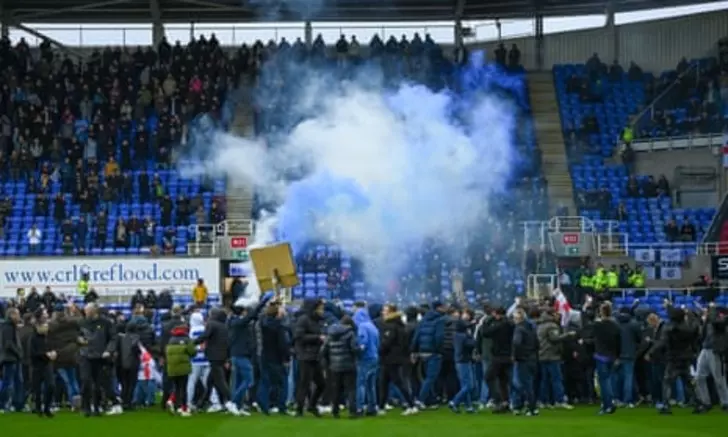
(641, 422)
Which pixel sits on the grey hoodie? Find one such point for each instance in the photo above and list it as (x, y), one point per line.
(550, 339)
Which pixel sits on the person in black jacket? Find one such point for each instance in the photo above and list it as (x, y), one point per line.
(128, 362)
(308, 336)
(525, 358)
(607, 349)
(710, 360)
(11, 354)
(631, 337)
(448, 378)
(243, 351)
(215, 339)
(275, 358)
(41, 365)
(498, 374)
(677, 341)
(410, 371)
(97, 344)
(393, 352)
(656, 362)
(339, 352)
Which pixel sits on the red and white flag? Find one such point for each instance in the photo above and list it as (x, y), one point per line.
(562, 305)
(147, 366)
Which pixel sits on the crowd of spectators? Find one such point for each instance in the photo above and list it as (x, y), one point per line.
(87, 146)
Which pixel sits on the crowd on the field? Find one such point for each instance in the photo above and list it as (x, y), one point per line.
(319, 358)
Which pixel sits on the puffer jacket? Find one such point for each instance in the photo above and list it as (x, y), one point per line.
(340, 349)
(550, 339)
(145, 331)
(307, 332)
(430, 334)
(393, 347)
(179, 353)
(448, 339)
(63, 334)
(525, 342)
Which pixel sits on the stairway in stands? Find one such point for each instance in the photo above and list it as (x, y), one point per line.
(550, 139)
(240, 197)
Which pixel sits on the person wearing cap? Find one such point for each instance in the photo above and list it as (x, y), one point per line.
(427, 344)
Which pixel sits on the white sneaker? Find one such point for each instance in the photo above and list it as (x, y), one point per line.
(381, 412)
(274, 410)
(170, 406)
(388, 407)
(115, 410)
(184, 413)
(232, 408)
(410, 411)
(325, 409)
(630, 405)
(244, 412)
(215, 408)
(565, 406)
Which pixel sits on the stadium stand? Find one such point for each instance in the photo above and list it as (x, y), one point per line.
(88, 151)
(598, 104)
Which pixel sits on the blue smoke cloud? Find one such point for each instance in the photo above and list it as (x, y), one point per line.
(271, 10)
(386, 168)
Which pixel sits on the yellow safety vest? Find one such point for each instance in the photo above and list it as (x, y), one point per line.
(82, 287)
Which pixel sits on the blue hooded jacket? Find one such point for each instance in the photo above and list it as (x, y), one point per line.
(430, 334)
(367, 336)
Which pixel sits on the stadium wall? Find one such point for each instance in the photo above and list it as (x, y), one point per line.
(654, 45)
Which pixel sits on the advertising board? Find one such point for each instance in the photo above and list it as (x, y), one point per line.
(109, 275)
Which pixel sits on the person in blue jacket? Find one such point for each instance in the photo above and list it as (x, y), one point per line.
(366, 372)
(464, 344)
(427, 345)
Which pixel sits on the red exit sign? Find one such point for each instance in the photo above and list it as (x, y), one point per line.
(571, 238)
(239, 242)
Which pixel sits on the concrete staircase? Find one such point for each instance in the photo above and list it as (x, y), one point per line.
(551, 141)
(240, 197)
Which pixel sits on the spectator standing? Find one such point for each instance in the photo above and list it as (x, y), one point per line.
(34, 237)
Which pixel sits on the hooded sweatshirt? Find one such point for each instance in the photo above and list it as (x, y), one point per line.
(197, 327)
(367, 336)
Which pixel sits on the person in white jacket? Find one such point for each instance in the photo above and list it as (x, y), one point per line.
(200, 365)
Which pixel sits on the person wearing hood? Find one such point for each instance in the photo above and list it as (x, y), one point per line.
(339, 353)
(215, 338)
(180, 350)
(41, 365)
(677, 342)
(200, 371)
(550, 350)
(710, 359)
(607, 349)
(427, 345)
(393, 352)
(525, 358)
(410, 371)
(308, 337)
(366, 369)
(275, 357)
(464, 347)
(169, 321)
(243, 350)
(630, 334)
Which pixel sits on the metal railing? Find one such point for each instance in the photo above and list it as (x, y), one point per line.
(229, 34)
(678, 142)
(571, 224)
(668, 293)
(539, 285)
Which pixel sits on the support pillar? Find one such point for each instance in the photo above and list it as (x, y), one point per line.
(308, 34)
(613, 31)
(458, 36)
(157, 25)
(539, 41)
(4, 23)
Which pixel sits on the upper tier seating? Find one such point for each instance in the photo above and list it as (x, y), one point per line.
(88, 152)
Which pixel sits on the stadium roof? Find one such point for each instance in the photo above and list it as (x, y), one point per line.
(131, 11)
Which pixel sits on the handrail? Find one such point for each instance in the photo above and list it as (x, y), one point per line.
(678, 142)
(671, 292)
(713, 233)
(651, 106)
